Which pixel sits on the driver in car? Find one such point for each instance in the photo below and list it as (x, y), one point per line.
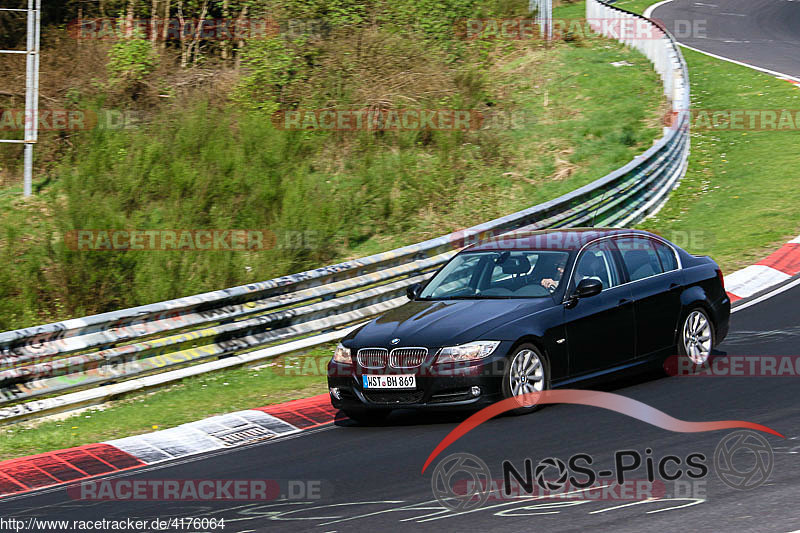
(552, 282)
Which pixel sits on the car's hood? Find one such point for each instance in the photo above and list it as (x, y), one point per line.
(444, 322)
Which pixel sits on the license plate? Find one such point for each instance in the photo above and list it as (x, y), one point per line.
(394, 381)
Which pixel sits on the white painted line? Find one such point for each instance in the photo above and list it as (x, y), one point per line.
(729, 60)
(752, 279)
(735, 281)
(767, 296)
(141, 449)
(271, 422)
(150, 468)
(181, 440)
(649, 10)
(203, 435)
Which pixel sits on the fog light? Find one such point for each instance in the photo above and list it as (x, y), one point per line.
(475, 391)
(336, 393)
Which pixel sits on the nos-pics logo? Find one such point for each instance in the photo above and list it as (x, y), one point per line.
(453, 470)
(743, 460)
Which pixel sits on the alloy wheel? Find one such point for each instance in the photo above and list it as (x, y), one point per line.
(697, 337)
(526, 375)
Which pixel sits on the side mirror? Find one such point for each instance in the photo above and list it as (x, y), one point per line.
(412, 291)
(586, 288)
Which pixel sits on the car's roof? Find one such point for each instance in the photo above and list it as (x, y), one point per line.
(555, 239)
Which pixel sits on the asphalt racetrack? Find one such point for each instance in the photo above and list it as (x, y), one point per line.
(370, 477)
(762, 33)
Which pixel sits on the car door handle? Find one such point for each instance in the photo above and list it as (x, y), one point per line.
(623, 301)
(673, 285)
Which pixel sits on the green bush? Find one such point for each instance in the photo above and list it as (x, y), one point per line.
(199, 161)
(130, 61)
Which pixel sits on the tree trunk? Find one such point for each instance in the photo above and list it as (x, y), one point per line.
(194, 45)
(181, 36)
(240, 44)
(80, 22)
(129, 18)
(165, 29)
(154, 23)
(226, 43)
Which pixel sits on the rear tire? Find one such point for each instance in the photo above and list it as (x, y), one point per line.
(696, 336)
(367, 417)
(527, 371)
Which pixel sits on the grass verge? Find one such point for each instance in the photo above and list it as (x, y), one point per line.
(637, 6)
(738, 201)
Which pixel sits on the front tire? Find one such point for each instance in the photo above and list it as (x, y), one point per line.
(696, 336)
(527, 371)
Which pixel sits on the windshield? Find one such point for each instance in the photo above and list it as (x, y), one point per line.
(508, 274)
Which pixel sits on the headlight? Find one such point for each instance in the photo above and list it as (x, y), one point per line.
(342, 355)
(472, 351)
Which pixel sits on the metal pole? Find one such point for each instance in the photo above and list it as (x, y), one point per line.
(31, 118)
(544, 16)
(31, 92)
(540, 17)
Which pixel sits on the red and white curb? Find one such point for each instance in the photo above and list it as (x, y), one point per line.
(775, 269)
(225, 431)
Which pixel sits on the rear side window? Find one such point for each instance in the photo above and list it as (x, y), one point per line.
(667, 256)
(640, 257)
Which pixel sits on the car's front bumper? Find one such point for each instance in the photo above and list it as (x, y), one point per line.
(450, 388)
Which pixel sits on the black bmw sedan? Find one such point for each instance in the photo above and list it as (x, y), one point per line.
(525, 312)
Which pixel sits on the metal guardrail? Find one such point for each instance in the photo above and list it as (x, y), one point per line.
(102, 356)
